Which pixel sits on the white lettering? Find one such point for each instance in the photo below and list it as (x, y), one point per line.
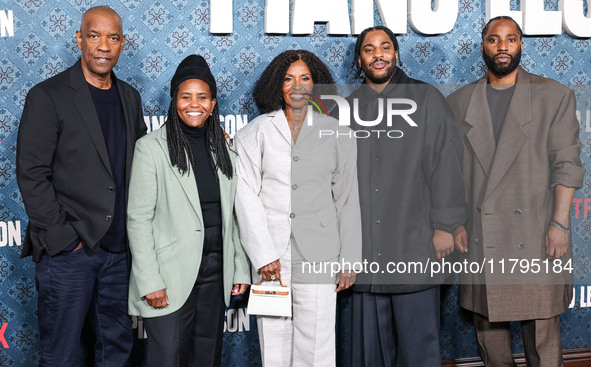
(236, 320)
(495, 8)
(229, 123)
(574, 21)
(10, 234)
(3, 234)
(369, 123)
(402, 113)
(221, 16)
(538, 21)
(326, 132)
(6, 23)
(243, 320)
(277, 16)
(231, 321)
(424, 17)
(440, 19)
(14, 233)
(307, 12)
(362, 134)
(392, 13)
(395, 134)
(154, 123)
(587, 121)
(139, 325)
(343, 108)
(233, 123)
(582, 302)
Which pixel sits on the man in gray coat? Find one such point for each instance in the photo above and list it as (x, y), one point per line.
(521, 168)
(411, 194)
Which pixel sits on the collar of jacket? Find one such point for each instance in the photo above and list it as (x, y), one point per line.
(77, 79)
(476, 114)
(366, 94)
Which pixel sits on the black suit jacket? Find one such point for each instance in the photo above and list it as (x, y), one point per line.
(62, 165)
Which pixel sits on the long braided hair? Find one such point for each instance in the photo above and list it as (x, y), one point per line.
(179, 148)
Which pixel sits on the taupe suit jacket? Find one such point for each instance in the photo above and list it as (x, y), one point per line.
(510, 197)
(308, 189)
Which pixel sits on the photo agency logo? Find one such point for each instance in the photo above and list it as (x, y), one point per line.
(6, 23)
(317, 102)
(387, 110)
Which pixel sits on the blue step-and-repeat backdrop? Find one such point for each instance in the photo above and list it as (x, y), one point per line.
(37, 41)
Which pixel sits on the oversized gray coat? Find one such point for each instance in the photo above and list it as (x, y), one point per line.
(510, 197)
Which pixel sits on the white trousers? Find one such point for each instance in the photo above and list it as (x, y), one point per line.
(308, 337)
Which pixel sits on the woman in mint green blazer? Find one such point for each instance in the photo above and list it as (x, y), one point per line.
(186, 255)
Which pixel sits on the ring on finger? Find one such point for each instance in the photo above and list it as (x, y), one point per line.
(273, 277)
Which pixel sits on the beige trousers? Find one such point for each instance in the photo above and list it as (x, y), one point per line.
(308, 337)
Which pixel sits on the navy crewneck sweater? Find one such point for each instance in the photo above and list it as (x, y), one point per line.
(110, 114)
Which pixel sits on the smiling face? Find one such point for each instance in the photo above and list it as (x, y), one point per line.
(194, 103)
(297, 85)
(101, 41)
(377, 57)
(501, 47)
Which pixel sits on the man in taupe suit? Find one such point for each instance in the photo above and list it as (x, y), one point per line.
(521, 168)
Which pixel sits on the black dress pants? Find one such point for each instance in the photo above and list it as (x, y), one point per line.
(395, 329)
(192, 335)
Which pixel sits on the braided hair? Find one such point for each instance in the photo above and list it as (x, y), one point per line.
(361, 38)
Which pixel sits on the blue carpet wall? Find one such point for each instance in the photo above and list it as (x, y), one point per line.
(159, 35)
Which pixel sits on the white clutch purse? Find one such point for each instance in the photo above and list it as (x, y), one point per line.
(270, 299)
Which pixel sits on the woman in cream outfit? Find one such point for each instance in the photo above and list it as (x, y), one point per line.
(297, 201)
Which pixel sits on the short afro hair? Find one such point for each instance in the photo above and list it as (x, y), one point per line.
(502, 17)
(268, 91)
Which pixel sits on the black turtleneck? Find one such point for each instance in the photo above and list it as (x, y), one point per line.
(205, 176)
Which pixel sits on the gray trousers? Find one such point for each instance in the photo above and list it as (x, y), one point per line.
(395, 329)
(308, 338)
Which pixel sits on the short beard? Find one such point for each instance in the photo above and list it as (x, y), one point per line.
(390, 70)
(502, 70)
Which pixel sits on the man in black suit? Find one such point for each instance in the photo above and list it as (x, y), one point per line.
(75, 145)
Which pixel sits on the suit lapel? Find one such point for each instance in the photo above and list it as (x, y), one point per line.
(129, 128)
(280, 122)
(311, 118)
(85, 106)
(186, 180)
(226, 204)
(512, 135)
(481, 135)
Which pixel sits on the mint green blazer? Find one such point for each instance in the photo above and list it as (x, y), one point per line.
(165, 229)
